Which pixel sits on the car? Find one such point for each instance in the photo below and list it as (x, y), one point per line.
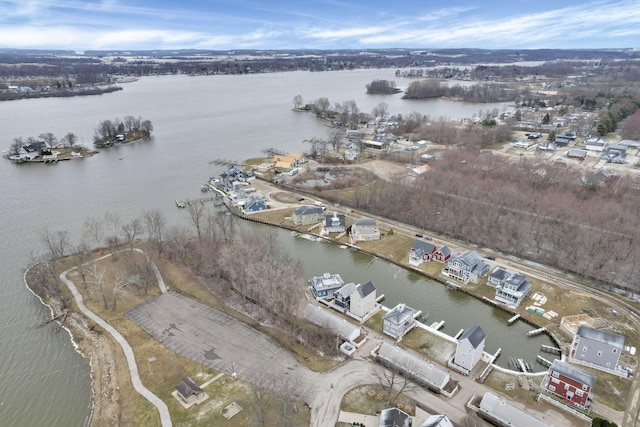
(427, 237)
(300, 199)
(419, 235)
(491, 257)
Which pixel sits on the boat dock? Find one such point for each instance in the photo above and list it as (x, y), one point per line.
(550, 349)
(437, 325)
(535, 332)
(513, 319)
(217, 201)
(380, 298)
(180, 204)
(544, 362)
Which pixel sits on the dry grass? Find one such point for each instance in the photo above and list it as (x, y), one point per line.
(432, 346)
(498, 381)
(371, 399)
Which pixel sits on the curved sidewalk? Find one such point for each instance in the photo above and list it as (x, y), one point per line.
(165, 418)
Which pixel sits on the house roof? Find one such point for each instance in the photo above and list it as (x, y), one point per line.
(419, 368)
(470, 258)
(337, 325)
(572, 372)
(437, 420)
(188, 387)
(499, 274)
(364, 222)
(399, 314)
(394, 417)
(327, 281)
(308, 210)
(604, 337)
(346, 290)
(475, 336)
(335, 220)
(253, 200)
(445, 251)
(509, 414)
(366, 289)
(426, 247)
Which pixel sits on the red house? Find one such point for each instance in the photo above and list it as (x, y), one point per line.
(443, 254)
(571, 384)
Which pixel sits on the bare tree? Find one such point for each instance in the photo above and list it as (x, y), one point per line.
(49, 139)
(112, 221)
(121, 288)
(155, 223)
(261, 396)
(132, 230)
(322, 106)
(93, 229)
(96, 282)
(81, 257)
(57, 242)
(70, 138)
(297, 101)
(336, 137)
(381, 110)
(392, 382)
(16, 146)
(196, 210)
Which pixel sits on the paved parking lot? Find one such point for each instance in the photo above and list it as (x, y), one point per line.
(212, 338)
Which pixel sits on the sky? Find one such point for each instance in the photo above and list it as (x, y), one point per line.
(320, 24)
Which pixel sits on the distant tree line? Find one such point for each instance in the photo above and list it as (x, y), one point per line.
(474, 93)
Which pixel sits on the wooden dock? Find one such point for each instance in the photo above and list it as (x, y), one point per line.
(549, 349)
(544, 362)
(535, 332)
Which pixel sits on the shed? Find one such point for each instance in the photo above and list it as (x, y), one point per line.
(336, 324)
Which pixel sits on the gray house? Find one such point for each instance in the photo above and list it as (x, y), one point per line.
(364, 229)
(334, 223)
(305, 215)
(600, 349)
(342, 297)
(470, 347)
(511, 288)
(399, 321)
(467, 267)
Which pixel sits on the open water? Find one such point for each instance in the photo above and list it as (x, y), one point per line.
(43, 380)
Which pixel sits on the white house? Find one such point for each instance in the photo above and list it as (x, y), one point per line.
(511, 288)
(334, 223)
(470, 347)
(468, 267)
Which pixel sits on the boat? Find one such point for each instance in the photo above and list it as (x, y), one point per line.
(180, 204)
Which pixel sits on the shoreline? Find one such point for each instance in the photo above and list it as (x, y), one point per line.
(90, 344)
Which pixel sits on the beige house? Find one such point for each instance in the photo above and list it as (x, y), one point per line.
(363, 300)
(305, 215)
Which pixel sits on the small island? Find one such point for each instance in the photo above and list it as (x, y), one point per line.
(47, 148)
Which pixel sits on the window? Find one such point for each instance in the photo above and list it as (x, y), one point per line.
(566, 386)
(555, 381)
(552, 388)
(579, 393)
(585, 387)
(555, 374)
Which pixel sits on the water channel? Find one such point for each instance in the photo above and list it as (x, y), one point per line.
(43, 381)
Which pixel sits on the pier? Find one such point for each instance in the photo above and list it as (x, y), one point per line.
(549, 349)
(217, 201)
(544, 362)
(535, 332)
(513, 319)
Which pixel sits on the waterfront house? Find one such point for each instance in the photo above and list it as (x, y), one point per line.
(599, 349)
(189, 393)
(394, 417)
(437, 420)
(364, 229)
(363, 300)
(569, 383)
(511, 288)
(420, 370)
(420, 252)
(342, 297)
(334, 323)
(325, 285)
(399, 321)
(468, 267)
(443, 254)
(334, 223)
(305, 215)
(502, 413)
(254, 203)
(469, 348)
